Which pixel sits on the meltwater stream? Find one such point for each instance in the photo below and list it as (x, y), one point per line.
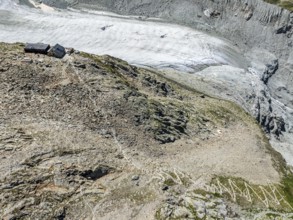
(147, 43)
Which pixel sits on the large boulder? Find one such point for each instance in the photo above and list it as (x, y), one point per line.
(57, 51)
(37, 48)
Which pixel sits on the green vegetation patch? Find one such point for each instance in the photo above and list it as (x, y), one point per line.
(287, 4)
(16, 47)
(278, 197)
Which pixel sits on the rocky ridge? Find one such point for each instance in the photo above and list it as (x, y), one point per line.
(91, 137)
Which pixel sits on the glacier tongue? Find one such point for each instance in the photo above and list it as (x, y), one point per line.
(147, 43)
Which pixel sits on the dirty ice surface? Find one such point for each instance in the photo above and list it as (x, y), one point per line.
(147, 43)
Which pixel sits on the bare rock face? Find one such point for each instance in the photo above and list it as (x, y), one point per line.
(94, 137)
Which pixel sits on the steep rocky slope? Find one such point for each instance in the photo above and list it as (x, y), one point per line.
(91, 137)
